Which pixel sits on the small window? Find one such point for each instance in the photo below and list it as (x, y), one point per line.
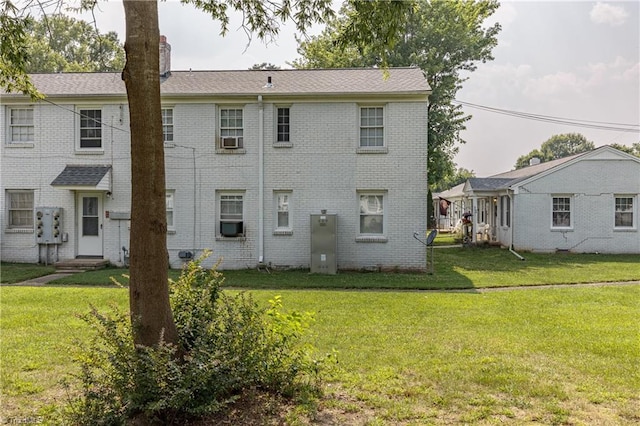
(371, 127)
(231, 215)
(283, 125)
(21, 128)
(170, 197)
(231, 128)
(624, 212)
(561, 212)
(371, 214)
(505, 209)
(90, 128)
(167, 125)
(283, 210)
(20, 208)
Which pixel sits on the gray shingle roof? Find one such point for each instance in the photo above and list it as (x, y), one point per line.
(250, 82)
(81, 176)
(488, 184)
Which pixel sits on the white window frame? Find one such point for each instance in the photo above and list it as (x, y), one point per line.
(223, 196)
(81, 116)
(553, 209)
(170, 199)
(369, 126)
(282, 201)
(633, 211)
(286, 135)
(505, 211)
(167, 125)
(10, 193)
(227, 130)
(364, 199)
(29, 124)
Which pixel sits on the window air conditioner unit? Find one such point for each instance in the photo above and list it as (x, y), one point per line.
(231, 142)
(230, 229)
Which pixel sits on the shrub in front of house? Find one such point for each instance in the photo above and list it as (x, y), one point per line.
(228, 344)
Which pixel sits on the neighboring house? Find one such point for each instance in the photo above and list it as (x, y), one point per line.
(583, 203)
(250, 157)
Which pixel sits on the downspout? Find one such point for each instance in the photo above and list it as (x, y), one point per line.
(512, 211)
(260, 181)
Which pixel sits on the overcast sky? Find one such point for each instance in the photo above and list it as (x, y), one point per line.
(568, 59)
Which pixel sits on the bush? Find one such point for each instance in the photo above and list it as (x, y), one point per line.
(227, 344)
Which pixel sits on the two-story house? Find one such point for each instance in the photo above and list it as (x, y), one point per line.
(252, 159)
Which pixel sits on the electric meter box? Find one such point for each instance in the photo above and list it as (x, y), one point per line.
(324, 243)
(49, 225)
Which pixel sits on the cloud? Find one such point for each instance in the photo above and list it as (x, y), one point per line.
(604, 13)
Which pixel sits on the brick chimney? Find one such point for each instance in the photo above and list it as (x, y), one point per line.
(165, 57)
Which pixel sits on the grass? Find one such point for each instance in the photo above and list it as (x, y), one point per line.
(17, 272)
(534, 356)
(455, 268)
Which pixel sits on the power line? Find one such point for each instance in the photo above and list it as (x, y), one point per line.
(591, 124)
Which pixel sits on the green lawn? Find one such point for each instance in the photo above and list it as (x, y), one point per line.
(455, 268)
(16, 272)
(533, 356)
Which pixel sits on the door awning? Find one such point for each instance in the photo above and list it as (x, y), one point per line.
(95, 178)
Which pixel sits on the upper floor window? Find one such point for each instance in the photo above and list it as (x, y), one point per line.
(371, 127)
(167, 124)
(284, 116)
(624, 212)
(561, 212)
(170, 196)
(21, 128)
(90, 128)
(231, 128)
(20, 208)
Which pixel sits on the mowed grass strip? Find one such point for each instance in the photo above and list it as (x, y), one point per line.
(455, 268)
(545, 356)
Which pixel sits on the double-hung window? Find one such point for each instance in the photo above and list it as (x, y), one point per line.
(561, 212)
(167, 125)
(283, 125)
(282, 202)
(21, 129)
(371, 127)
(231, 214)
(170, 197)
(624, 212)
(231, 128)
(20, 209)
(90, 128)
(505, 211)
(371, 211)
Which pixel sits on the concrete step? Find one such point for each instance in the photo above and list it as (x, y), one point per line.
(81, 265)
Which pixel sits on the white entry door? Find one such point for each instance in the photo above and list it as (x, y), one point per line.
(89, 206)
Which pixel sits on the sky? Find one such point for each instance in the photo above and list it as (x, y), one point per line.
(573, 60)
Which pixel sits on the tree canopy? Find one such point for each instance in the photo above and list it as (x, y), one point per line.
(59, 43)
(443, 37)
(557, 146)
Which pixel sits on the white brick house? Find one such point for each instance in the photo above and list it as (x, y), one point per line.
(584, 203)
(250, 156)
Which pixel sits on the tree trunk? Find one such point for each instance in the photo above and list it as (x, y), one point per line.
(148, 291)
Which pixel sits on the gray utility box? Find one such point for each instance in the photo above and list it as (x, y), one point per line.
(49, 225)
(324, 243)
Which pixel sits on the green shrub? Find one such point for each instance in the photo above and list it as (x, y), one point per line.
(227, 344)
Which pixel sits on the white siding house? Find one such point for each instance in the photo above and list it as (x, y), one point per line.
(584, 203)
(250, 156)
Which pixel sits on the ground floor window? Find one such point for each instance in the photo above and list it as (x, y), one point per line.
(20, 208)
(561, 212)
(371, 208)
(231, 214)
(624, 212)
